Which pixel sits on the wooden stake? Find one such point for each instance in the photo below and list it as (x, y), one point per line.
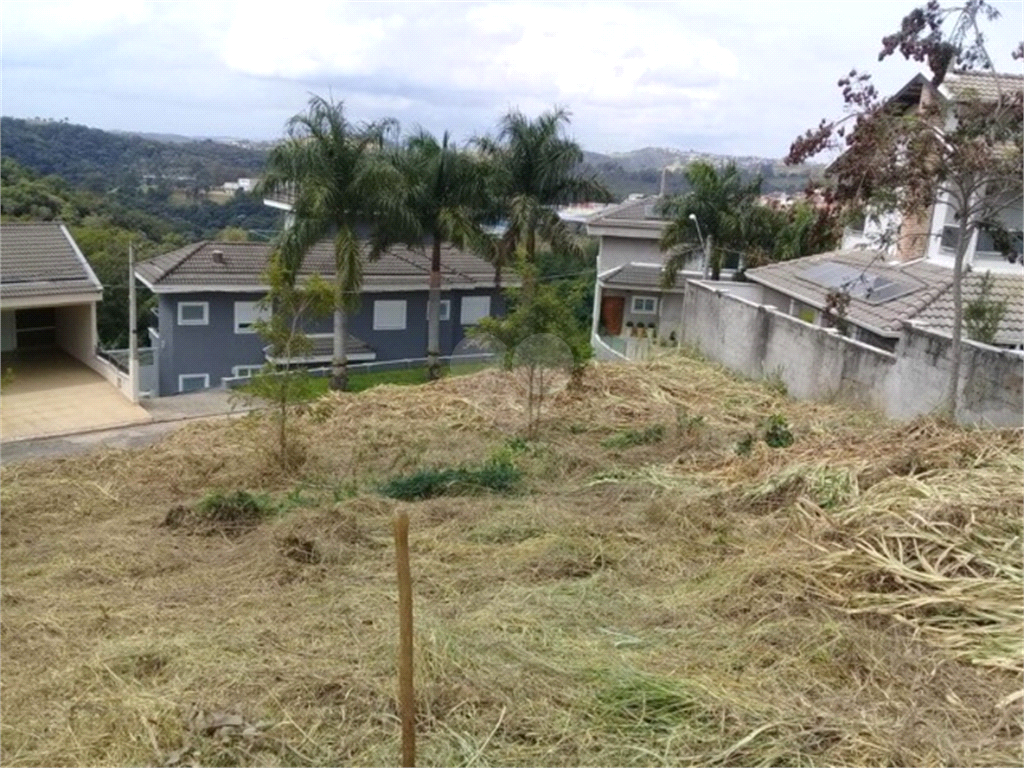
(406, 697)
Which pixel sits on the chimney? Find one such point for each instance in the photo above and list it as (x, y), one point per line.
(218, 256)
(664, 172)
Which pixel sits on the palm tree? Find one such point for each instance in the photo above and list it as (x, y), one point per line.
(722, 204)
(535, 169)
(339, 178)
(445, 188)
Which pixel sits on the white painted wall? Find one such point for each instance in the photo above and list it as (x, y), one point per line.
(617, 251)
(76, 331)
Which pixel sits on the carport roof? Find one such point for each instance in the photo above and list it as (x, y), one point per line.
(40, 259)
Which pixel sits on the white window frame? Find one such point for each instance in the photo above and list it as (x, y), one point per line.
(477, 315)
(444, 311)
(634, 310)
(245, 371)
(206, 312)
(182, 376)
(258, 313)
(383, 323)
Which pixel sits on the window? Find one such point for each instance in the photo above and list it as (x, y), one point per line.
(986, 243)
(246, 315)
(645, 305)
(475, 309)
(245, 370)
(444, 311)
(192, 382)
(389, 315)
(193, 313)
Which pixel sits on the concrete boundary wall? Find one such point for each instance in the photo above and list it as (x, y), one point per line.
(816, 363)
(111, 373)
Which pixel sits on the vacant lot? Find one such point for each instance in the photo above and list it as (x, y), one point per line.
(662, 587)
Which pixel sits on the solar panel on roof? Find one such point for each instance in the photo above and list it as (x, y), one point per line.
(857, 282)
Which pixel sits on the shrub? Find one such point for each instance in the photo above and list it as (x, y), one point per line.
(631, 437)
(497, 476)
(777, 432)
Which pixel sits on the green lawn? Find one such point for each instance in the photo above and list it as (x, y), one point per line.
(358, 382)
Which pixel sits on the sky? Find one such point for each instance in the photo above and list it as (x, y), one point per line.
(734, 77)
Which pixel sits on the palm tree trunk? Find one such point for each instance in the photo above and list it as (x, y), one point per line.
(339, 358)
(716, 259)
(949, 405)
(434, 312)
(529, 274)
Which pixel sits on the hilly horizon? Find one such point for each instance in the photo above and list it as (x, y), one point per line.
(101, 160)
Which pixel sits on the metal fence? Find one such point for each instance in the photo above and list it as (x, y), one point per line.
(119, 357)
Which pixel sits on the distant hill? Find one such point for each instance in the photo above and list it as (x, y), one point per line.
(102, 160)
(639, 171)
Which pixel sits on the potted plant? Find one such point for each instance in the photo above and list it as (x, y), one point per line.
(632, 330)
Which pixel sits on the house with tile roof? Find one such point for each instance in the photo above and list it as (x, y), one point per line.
(631, 308)
(48, 292)
(208, 302)
(933, 235)
(884, 295)
(48, 298)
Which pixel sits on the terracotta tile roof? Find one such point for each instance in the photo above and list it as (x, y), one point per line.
(642, 209)
(241, 266)
(927, 300)
(926, 281)
(985, 86)
(1008, 288)
(41, 259)
(644, 276)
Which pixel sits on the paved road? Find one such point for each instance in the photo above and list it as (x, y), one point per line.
(169, 413)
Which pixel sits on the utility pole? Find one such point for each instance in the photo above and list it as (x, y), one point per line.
(133, 341)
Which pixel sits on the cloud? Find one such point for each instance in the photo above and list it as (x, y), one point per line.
(33, 30)
(731, 75)
(607, 53)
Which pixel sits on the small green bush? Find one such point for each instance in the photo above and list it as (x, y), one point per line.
(777, 432)
(631, 437)
(496, 476)
(234, 507)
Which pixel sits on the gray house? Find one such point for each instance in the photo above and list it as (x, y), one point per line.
(208, 294)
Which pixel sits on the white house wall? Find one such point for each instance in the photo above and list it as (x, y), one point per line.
(619, 251)
(875, 229)
(75, 331)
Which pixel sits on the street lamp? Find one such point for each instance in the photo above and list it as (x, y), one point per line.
(693, 218)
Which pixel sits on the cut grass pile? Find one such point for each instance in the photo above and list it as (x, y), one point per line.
(852, 598)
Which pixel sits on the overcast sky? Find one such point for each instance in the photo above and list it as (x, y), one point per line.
(726, 77)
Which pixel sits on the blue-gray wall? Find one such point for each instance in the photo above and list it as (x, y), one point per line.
(215, 348)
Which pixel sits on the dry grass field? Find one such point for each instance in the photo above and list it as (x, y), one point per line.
(649, 595)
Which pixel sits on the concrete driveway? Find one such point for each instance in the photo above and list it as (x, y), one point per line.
(52, 393)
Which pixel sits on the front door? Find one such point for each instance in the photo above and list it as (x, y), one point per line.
(612, 309)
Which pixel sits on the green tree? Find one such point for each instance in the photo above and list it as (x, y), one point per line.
(445, 188)
(546, 312)
(535, 168)
(339, 179)
(287, 387)
(724, 206)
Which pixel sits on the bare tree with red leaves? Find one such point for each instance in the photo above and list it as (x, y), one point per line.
(959, 145)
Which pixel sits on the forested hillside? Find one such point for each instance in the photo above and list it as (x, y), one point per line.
(102, 161)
